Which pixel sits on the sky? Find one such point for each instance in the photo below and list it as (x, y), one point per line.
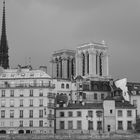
(36, 28)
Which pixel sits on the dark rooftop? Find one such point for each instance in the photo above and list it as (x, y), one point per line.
(85, 106)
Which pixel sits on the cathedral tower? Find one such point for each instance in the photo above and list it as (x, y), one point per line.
(92, 60)
(4, 57)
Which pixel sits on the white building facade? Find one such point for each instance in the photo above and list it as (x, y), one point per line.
(27, 101)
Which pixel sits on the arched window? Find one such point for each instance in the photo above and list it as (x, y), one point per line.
(62, 85)
(95, 87)
(67, 86)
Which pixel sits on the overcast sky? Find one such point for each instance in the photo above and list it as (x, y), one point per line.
(36, 28)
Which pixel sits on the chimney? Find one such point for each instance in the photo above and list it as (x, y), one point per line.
(43, 68)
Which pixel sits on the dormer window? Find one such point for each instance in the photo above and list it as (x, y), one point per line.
(12, 75)
(31, 74)
(62, 85)
(23, 74)
(3, 75)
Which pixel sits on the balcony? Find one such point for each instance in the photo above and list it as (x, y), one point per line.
(51, 105)
(51, 95)
(50, 117)
(27, 85)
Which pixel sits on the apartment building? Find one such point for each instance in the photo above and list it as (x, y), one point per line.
(26, 100)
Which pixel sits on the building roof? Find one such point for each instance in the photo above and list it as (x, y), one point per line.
(124, 105)
(80, 106)
(22, 73)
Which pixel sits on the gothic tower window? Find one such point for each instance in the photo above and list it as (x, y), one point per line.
(68, 71)
(100, 63)
(72, 67)
(96, 62)
(83, 64)
(57, 68)
(87, 62)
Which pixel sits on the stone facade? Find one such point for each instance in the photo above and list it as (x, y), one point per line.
(27, 101)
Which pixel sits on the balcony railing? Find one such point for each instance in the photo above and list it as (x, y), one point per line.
(27, 85)
(51, 105)
(51, 95)
(50, 117)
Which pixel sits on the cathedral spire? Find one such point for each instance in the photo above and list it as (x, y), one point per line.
(4, 58)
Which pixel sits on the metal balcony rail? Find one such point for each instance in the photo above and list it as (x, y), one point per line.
(51, 105)
(51, 95)
(27, 85)
(50, 117)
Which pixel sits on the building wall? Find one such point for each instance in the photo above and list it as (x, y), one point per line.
(84, 119)
(36, 96)
(135, 100)
(109, 115)
(125, 118)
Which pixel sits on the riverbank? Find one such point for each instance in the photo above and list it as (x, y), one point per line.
(70, 137)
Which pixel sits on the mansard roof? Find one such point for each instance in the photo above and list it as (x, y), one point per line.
(82, 106)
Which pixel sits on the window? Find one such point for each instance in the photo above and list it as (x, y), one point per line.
(67, 86)
(102, 96)
(79, 114)
(31, 123)
(50, 123)
(129, 125)
(31, 102)
(90, 114)
(21, 123)
(79, 125)
(70, 124)
(31, 92)
(12, 93)
(70, 114)
(21, 113)
(2, 103)
(120, 125)
(62, 85)
(62, 114)
(99, 125)
(40, 102)
(95, 96)
(111, 111)
(3, 93)
(11, 124)
(11, 113)
(129, 113)
(41, 93)
(120, 113)
(135, 103)
(12, 103)
(31, 113)
(2, 113)
(2, 124)
(41, 123)
(40, 113)
(90, 125)
(62, 125)
(21, 102)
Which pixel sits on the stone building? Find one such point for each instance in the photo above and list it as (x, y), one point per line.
(26, 101)
(92, 60)
(63, 64)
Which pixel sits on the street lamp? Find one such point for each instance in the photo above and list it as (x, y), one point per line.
(99, 114)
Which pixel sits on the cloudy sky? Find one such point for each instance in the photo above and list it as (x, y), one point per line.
(36, 28)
